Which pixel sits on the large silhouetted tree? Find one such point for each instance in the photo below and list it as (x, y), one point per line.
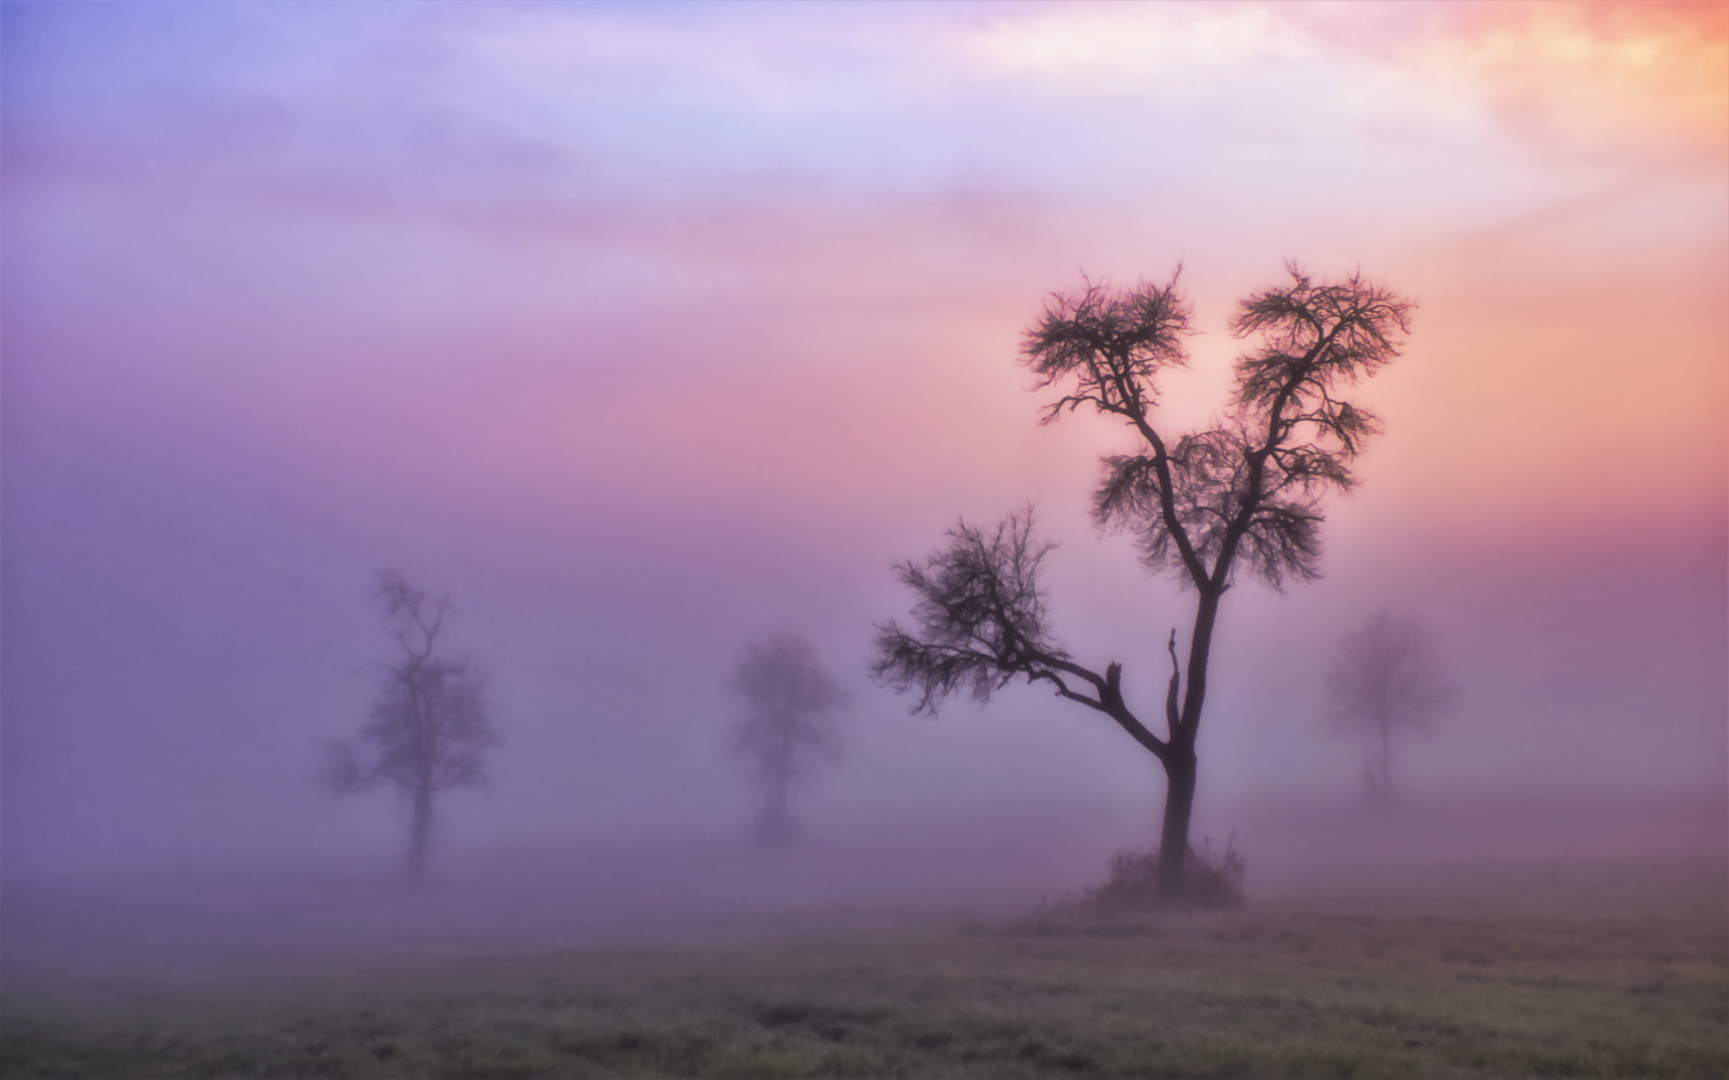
(429, 729)
(1243, 496)
(1387, 680)
(785, 731)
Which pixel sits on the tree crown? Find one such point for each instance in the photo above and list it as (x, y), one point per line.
(787, 692)
(1250, 486)
(1389, 676)
(429, 728)
(1111, 343)
(980, 615)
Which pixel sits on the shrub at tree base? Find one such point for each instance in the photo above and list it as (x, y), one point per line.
(1210, 880)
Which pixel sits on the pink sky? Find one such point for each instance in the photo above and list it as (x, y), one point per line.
(644, 330)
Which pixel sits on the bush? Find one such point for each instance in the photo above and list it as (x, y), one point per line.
(1209, 880)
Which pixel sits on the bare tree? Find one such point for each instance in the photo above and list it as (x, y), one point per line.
(785, 731)
(1242, 495)
(1387, 680)
(429, 730)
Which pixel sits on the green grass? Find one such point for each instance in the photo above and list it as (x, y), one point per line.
(1276, 990)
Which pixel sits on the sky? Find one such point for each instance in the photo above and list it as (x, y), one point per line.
(647, 330)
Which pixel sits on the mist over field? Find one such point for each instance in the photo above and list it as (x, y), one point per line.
(644, 333)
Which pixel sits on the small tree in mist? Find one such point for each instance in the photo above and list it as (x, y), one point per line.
(429, 729)
(1388, 680)
(1207, 506)
(785, 731)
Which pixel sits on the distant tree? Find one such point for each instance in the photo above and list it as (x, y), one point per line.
(429, 730)
(1242, 495)
(1387, 680)
(784, 732)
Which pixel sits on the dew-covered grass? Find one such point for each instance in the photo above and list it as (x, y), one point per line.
(1294, 988)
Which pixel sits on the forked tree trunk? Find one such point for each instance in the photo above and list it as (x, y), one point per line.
(418, 833)
(1180, 762)
(1174, 836)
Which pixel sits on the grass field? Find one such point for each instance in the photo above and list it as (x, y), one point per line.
(1513, 979)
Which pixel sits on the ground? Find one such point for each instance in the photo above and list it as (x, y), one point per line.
(1521, 971)
(1463, 937)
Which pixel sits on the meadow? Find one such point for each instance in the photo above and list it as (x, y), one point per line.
(1598, 969)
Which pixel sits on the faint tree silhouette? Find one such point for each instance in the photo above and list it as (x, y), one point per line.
(784, 732)
(1243, 495)
(1388, 679)
(429, 729)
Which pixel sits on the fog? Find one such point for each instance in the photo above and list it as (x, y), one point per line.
(639, 367)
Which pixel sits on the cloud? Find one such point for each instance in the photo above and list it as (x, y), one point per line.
(1589, 79)
(1113, 47)
(1595, 80)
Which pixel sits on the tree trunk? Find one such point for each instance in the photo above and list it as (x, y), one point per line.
(777, 814)
(1180, 764)
(774, 826)
(418, 833)
(1387, 795)
(1174, 836)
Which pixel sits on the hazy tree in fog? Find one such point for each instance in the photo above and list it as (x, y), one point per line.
(785, 731)
(1388, 680)
(429, 729)
(1207, 506)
